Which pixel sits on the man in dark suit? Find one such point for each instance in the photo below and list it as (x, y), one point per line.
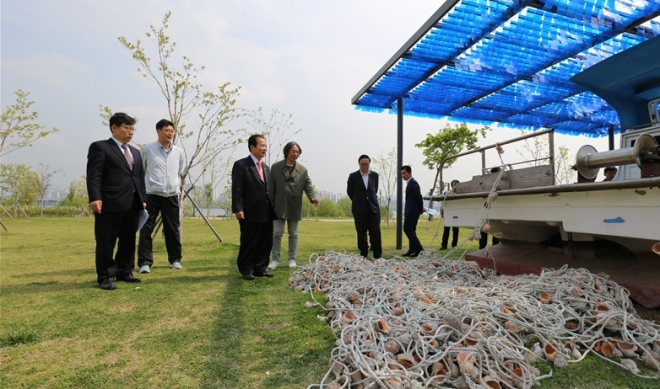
(252, 203)
(414, 208)
(362, 189)
(117, 194)
(447, 229)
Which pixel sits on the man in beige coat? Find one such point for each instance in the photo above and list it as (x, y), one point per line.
(290, 180)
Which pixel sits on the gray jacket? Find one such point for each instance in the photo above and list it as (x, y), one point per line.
(288, 189)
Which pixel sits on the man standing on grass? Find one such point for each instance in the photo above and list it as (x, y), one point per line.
(116, 190)
(163, 164)
(414, 208)
(447, 229)
(252, 203)
(290, 181)
(362, 189)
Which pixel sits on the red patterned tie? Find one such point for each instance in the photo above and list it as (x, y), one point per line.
(127, 154)
(260, 170)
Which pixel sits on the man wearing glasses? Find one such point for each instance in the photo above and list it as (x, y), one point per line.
(163, 164)
(115, 185)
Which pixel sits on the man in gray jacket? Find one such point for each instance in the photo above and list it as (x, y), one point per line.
(163, 164)
(290, 180)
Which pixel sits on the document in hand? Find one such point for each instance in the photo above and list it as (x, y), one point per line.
(144, 215)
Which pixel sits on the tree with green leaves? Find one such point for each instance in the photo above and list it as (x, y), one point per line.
(19, 128)
(45, 176)
(21, 183)
(564, 162)
(537, 151)
(450, 140)
(186, 98)
(386, 165)
(346, 205)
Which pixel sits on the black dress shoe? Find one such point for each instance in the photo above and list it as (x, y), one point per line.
(248, 277)
(128, 278)
(107, 284)
(414, 254)
(407, 254)
(264, 274)
(444, 247)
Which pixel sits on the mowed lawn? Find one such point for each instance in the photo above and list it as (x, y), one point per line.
(199, 327)
(202, 326)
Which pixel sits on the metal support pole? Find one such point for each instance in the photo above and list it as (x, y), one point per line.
(610, 136)
(399, 163)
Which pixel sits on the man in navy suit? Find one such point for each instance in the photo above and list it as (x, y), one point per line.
(363, 191)
(252, 203)
(414, 208)
(117, 194)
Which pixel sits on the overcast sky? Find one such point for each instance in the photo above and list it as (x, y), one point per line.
(305, 58)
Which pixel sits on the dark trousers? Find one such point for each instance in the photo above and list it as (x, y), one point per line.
(256, 243)
(483, 242)
(116, 228)
(368, 221)
(445, 236)
(169, 208)
(410, 229)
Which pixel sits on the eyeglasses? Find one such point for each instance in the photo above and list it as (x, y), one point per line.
(167, 131)
(128, 128)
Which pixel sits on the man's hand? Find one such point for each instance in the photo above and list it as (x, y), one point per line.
(240, 215)
(95, 206)
(316, 202)
(144, 205)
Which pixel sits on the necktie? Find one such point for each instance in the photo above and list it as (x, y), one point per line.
(261, 172)
(127, 154)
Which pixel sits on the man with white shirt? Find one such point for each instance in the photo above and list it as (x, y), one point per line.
(362, 189)
(163, 164)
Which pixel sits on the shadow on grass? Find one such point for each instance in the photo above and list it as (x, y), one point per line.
(53, 286)
(65, 273)
(223, 368)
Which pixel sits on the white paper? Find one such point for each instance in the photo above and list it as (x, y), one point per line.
(431, 211)
(144, 215)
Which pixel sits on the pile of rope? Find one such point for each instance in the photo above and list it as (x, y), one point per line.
(432, 322)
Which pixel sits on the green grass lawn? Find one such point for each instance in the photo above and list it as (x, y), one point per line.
(199, 327)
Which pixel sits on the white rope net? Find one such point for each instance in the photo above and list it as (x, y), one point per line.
(438, 323)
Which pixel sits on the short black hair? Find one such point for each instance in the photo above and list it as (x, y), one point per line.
(611, 169)
(363, 156)
(163, 123)
(455, 182)
(288, 146)
(252, 140)
(495, 169)
(407, 168)
(119, 119)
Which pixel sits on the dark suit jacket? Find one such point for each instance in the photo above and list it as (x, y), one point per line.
(414, 202)
(249, 194)
(363, 199)
(110, 179)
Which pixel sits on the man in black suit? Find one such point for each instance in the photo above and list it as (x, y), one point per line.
(252, 203)
(362, 190)
(447, 229)
(117, 194)
(414, 208)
